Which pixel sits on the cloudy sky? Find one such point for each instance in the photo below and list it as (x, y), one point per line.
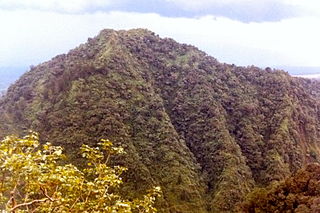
(271, 33)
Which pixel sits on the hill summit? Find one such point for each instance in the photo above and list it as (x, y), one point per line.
(206, 132)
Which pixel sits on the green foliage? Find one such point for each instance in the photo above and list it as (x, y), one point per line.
(299, 193)
(34, 179)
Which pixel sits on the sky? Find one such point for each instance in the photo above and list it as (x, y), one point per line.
(274, 33)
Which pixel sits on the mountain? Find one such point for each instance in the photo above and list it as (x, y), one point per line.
(206, 132)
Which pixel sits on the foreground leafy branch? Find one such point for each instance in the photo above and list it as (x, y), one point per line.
(33, 179)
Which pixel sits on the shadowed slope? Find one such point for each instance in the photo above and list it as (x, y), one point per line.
(299, 193)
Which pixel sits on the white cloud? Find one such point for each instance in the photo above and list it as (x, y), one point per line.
(309, 7)
(244, 10)
(203, 4)
(304, 7)
(55, 5)
(30, 37)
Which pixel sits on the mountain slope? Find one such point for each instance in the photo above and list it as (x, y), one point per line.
(206, 132)
(298, 193)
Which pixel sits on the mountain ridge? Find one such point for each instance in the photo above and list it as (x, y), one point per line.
(207, 132)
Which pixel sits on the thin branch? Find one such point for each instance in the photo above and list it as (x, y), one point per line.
(12, 200)
(80, 197)
(28, 204)
(44, 192)
(87, 198)
(107, 159)
(74, 203)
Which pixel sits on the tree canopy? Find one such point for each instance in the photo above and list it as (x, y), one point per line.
(33, 178)
(299, 193)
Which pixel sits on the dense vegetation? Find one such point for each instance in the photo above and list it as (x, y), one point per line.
(206, 132)
(34, 179)
(299, 193)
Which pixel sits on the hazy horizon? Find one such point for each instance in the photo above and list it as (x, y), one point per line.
(10, 74)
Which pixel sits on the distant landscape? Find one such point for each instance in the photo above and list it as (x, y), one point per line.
(305, 72)
(8, 75)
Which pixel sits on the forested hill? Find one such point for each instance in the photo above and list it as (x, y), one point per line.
(205, 131)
